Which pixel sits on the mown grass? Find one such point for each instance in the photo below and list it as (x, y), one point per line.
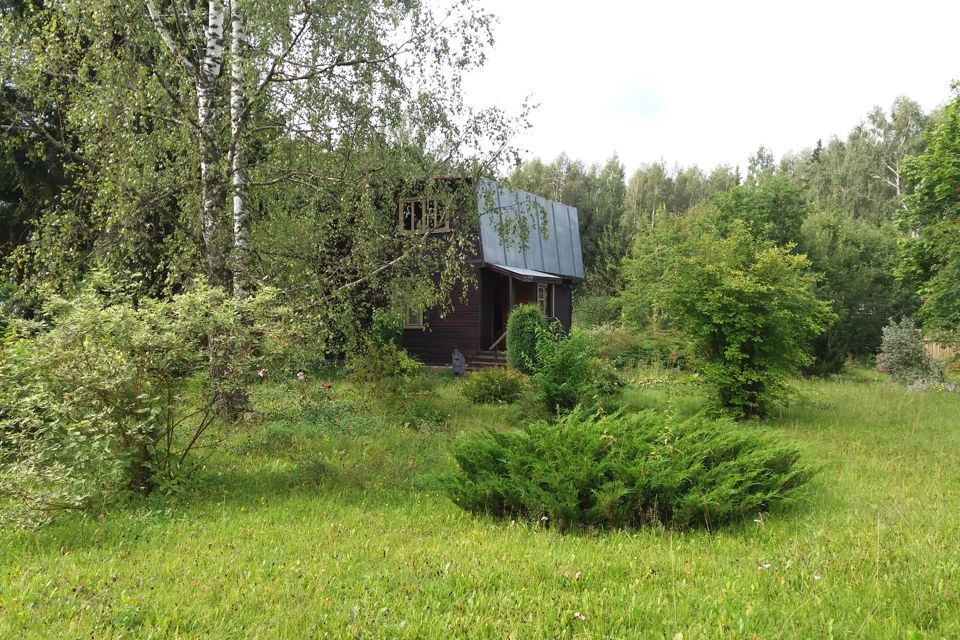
(329, 524)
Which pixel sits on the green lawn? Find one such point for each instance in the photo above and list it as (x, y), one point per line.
(313, 525)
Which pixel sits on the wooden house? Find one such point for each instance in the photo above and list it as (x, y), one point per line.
(538, 265)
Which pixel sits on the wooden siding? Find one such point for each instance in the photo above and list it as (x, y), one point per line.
(460, 329)
(563, 304)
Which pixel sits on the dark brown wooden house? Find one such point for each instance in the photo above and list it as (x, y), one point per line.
(535, 267)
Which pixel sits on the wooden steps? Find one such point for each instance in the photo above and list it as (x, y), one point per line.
(487, 359)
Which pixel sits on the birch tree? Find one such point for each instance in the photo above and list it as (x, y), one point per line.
(261, 143)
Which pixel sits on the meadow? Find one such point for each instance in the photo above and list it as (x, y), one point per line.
(329, 521)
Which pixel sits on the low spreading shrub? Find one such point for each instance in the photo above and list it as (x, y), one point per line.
(626, 471)
(903, 356)
(568, 373)
(523, 326)
(496, 385)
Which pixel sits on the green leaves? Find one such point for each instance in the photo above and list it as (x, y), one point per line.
(110, 395)
(626, 471)
(750, 308)
(929, 258)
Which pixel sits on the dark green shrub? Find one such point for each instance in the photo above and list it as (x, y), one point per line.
(496, 385)
(568, 373)
(523, 326)
(626, 471)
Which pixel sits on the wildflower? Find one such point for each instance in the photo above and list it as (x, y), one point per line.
(326, 386)
(579, 616)
(301, 376)
(262, 373)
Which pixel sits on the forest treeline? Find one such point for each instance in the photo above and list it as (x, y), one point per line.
(845, 204)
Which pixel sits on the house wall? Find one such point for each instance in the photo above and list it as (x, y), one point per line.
(460, 329)
(563, 303)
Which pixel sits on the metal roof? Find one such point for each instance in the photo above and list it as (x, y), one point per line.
(552, 245)
(527, 275)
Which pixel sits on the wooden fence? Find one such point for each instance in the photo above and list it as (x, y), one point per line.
(937, 350)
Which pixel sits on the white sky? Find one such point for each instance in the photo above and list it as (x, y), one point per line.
(708, 82)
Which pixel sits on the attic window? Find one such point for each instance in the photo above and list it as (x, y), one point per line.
(422, 215)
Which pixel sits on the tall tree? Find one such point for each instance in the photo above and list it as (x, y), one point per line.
(929, 256)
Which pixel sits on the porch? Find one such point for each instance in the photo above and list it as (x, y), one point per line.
(503, 288)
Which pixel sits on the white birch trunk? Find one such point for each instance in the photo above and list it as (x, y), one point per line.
(238, 158)
(212, 189)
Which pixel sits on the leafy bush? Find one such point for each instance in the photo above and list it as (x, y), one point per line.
(378, 362)
(107, 397)
(568, 373)
(750, 310)
(903, 356)
(626, 471)
(523, 326)
(387, 327)
(495, 385)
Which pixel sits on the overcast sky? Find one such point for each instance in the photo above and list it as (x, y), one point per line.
(708, 82)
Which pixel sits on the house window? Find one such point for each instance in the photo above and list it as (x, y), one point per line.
(412, 317)
(543, 299)
(422, 215)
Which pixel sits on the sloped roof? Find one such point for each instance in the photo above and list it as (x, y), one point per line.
(553, 243)
(527, 275)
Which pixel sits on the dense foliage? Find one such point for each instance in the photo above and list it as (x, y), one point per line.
(903, 356)
(525, 323)
(930, 248)
(855, 259)
(109, 395)
(568, 372)
(494, 385)
(626, 471)
(750, 309)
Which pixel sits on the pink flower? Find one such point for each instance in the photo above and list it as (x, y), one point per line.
(326, 386)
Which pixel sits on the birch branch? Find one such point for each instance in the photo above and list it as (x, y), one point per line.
(167, 38)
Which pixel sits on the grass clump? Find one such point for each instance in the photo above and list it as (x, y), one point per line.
(626, 471)
(496, 385)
